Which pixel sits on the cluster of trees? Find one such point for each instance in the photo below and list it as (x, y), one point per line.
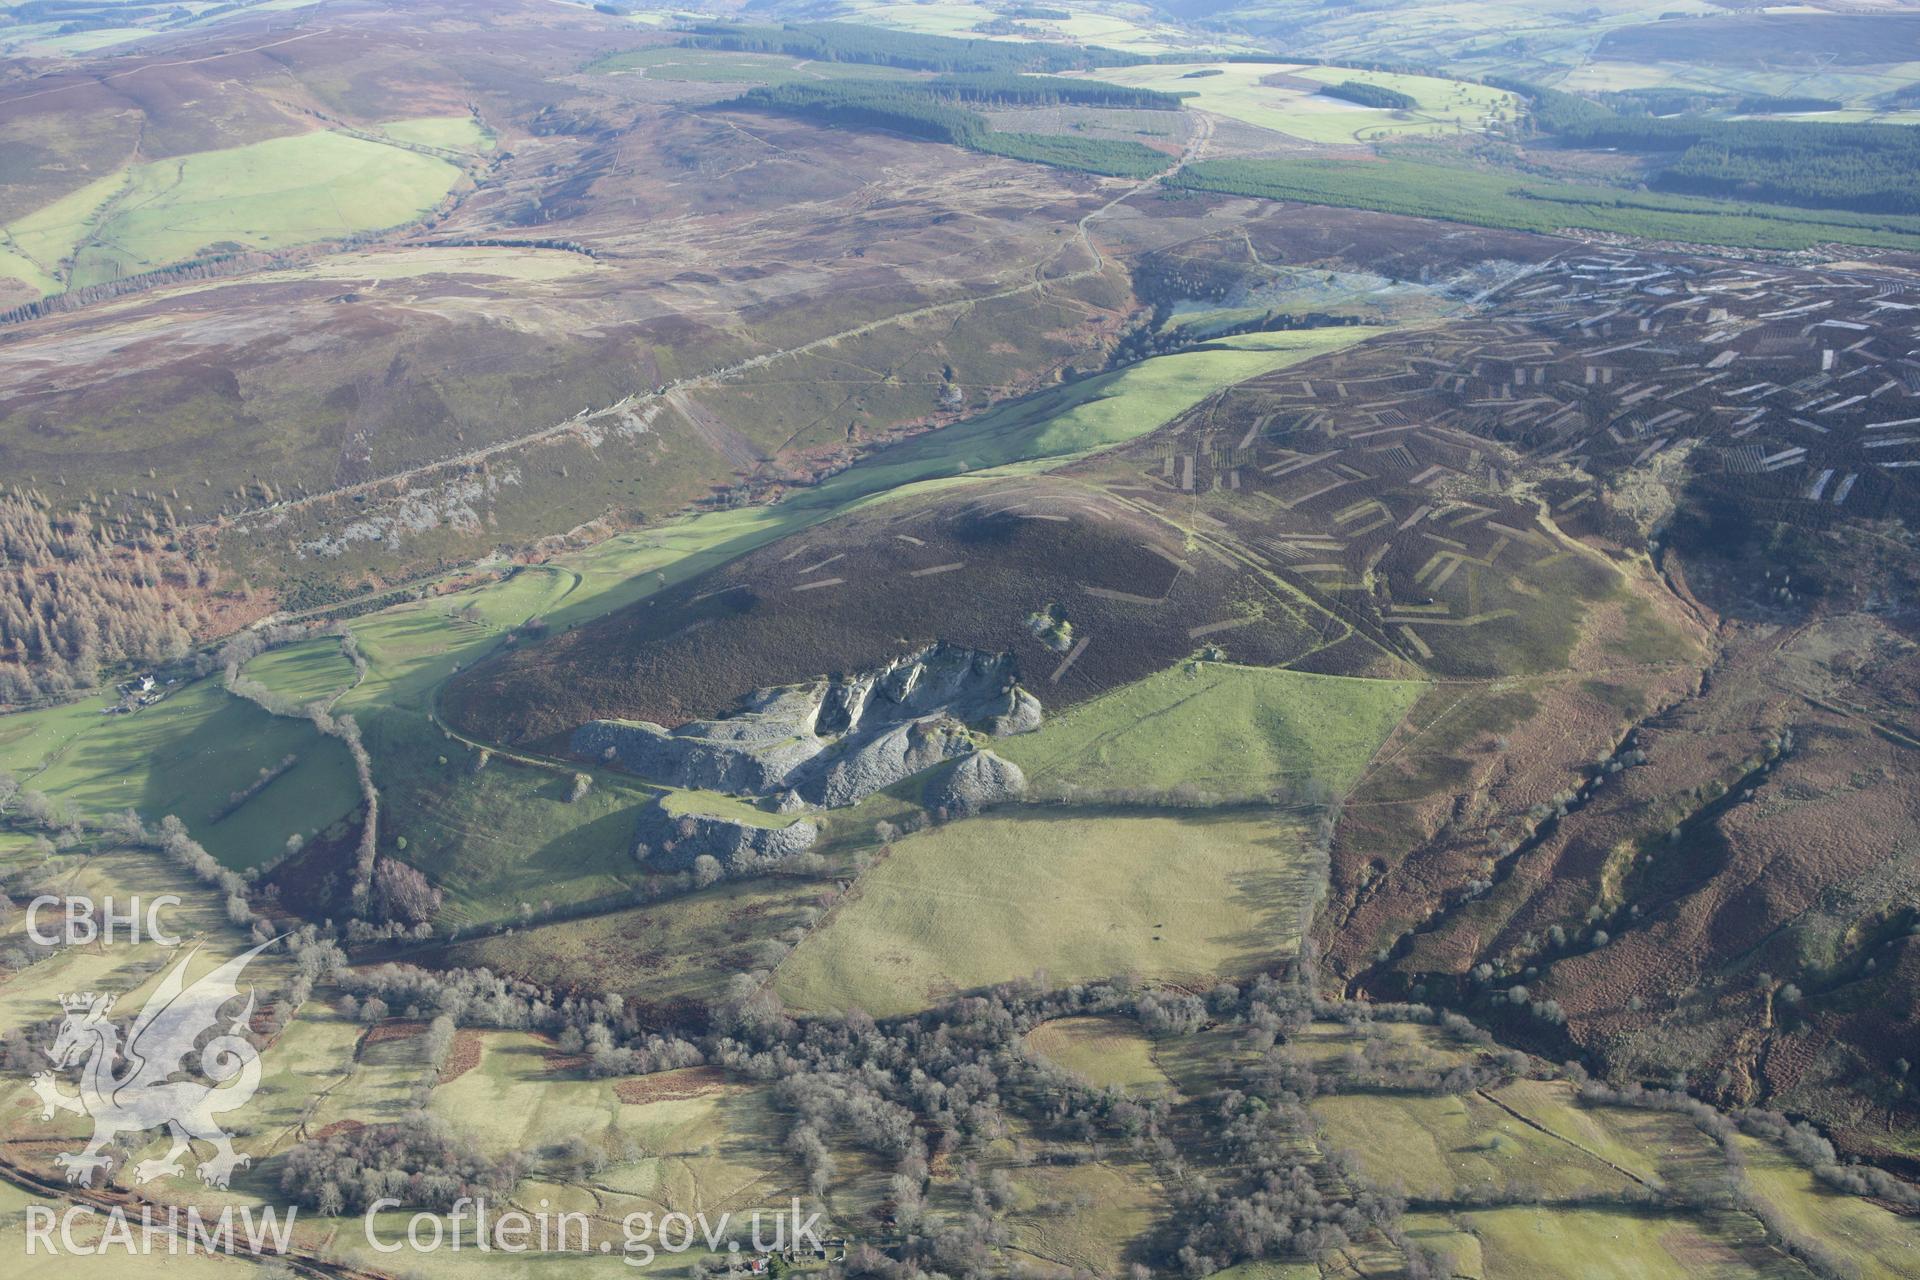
(846, 42)
(933, 110)
(1278, 1208)
(36, 811)
(1047, 91)
(504, 242)
(170, 837)
(913, 1089)
(74, 598)
(928, 1088)
(1370, 95)
(1114, 157)
(1780, 106)
(418, 1161)
(1276, 1201)
(1662, 101)
(1867, 168)
(481, 998)
(946, 1080)
(1804, 1143)
(213, 266)
(400, 894)
(902, 108)
(1381, 1064)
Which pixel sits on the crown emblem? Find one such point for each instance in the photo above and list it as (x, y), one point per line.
(79, 1002)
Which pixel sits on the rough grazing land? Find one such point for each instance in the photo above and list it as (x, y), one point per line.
(1074, 893)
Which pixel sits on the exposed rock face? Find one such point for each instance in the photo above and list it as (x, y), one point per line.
(755, 752)
(880, 762)
(980, 780)
(834, 741)
(1022, 715)
(674, 841)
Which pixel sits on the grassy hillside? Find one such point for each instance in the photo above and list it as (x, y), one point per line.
(1232, 730)
(266, 195)
(1075, 893)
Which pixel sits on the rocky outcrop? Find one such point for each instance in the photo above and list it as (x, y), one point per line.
(978, 781)
(755, 752)
(833, 741)
(671, 842)
(898, 753)
(1021, 716)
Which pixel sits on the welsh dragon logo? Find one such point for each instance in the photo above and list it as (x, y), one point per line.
(146, 1095)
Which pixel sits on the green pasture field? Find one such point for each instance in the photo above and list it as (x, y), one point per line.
(1080, 894)
(1104, 1051)
(186, 756)
(503, 835)
(1452, 1146)
(451, 133)
(1600, 1244)
(310, 1077)
(1490, 198)
(1326, 1045)
(1084, 1216)
(525, 1106)
(411, 648)
(308, 672)
(1232, 730)
(1274, 1271)
(714, 1149)
(1877, 1243)
(45, 40)
(264, 195)
(380, 1077)
(1055, 426)
(129, 969)
(132, 972)
(110, 1263)
(31, 741)
(1444, 106)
